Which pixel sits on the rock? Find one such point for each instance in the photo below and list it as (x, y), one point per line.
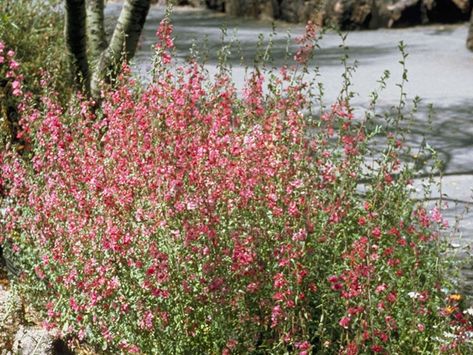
(242, 8)
(463, 5)
(267, 9)
(4, 301)
(404, 13)
(32, 340)
(9, 320)
(296, 11)
(217, 5)
(300, 10)
(446, 11)
(367, 14)
(349, 14)
(193, 3)
(15, 336)
(469, 41)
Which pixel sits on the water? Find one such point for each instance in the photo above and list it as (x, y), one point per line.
(440, 71)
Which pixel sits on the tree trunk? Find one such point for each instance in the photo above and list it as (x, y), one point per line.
(469, 40)
(123, 43)
(85, 26)
(97, 39)
(76, 42)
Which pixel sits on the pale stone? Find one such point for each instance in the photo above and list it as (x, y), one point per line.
(32, 341)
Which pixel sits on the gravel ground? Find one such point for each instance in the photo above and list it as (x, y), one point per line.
(9, 320)
(19, 334)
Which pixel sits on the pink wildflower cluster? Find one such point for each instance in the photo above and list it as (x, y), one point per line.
(183, 216)
(307, 43)
(9, 71)
(165, 42)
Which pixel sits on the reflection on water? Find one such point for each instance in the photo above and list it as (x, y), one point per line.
(440, 71)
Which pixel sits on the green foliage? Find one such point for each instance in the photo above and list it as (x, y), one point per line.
(179, 217)
(34, 30)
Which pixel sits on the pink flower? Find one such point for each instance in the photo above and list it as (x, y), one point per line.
(231, 344)
(39, 272)
(303, 347)
(376, 232)
(380, 288)
(332, 279)
(344, 322)
(73, 304)
(436, 216)
(377, 348)
(279, 281)
(252, 287)
(361, 221)
(306, 42)
(276, 315)
(391, 297)
(351, 349)
(14, 65)
(300, 235)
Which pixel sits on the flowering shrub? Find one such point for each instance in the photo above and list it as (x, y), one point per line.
(182, 217)
(10, 91)
(25, 27)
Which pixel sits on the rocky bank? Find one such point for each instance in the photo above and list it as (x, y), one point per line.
(346, 14)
